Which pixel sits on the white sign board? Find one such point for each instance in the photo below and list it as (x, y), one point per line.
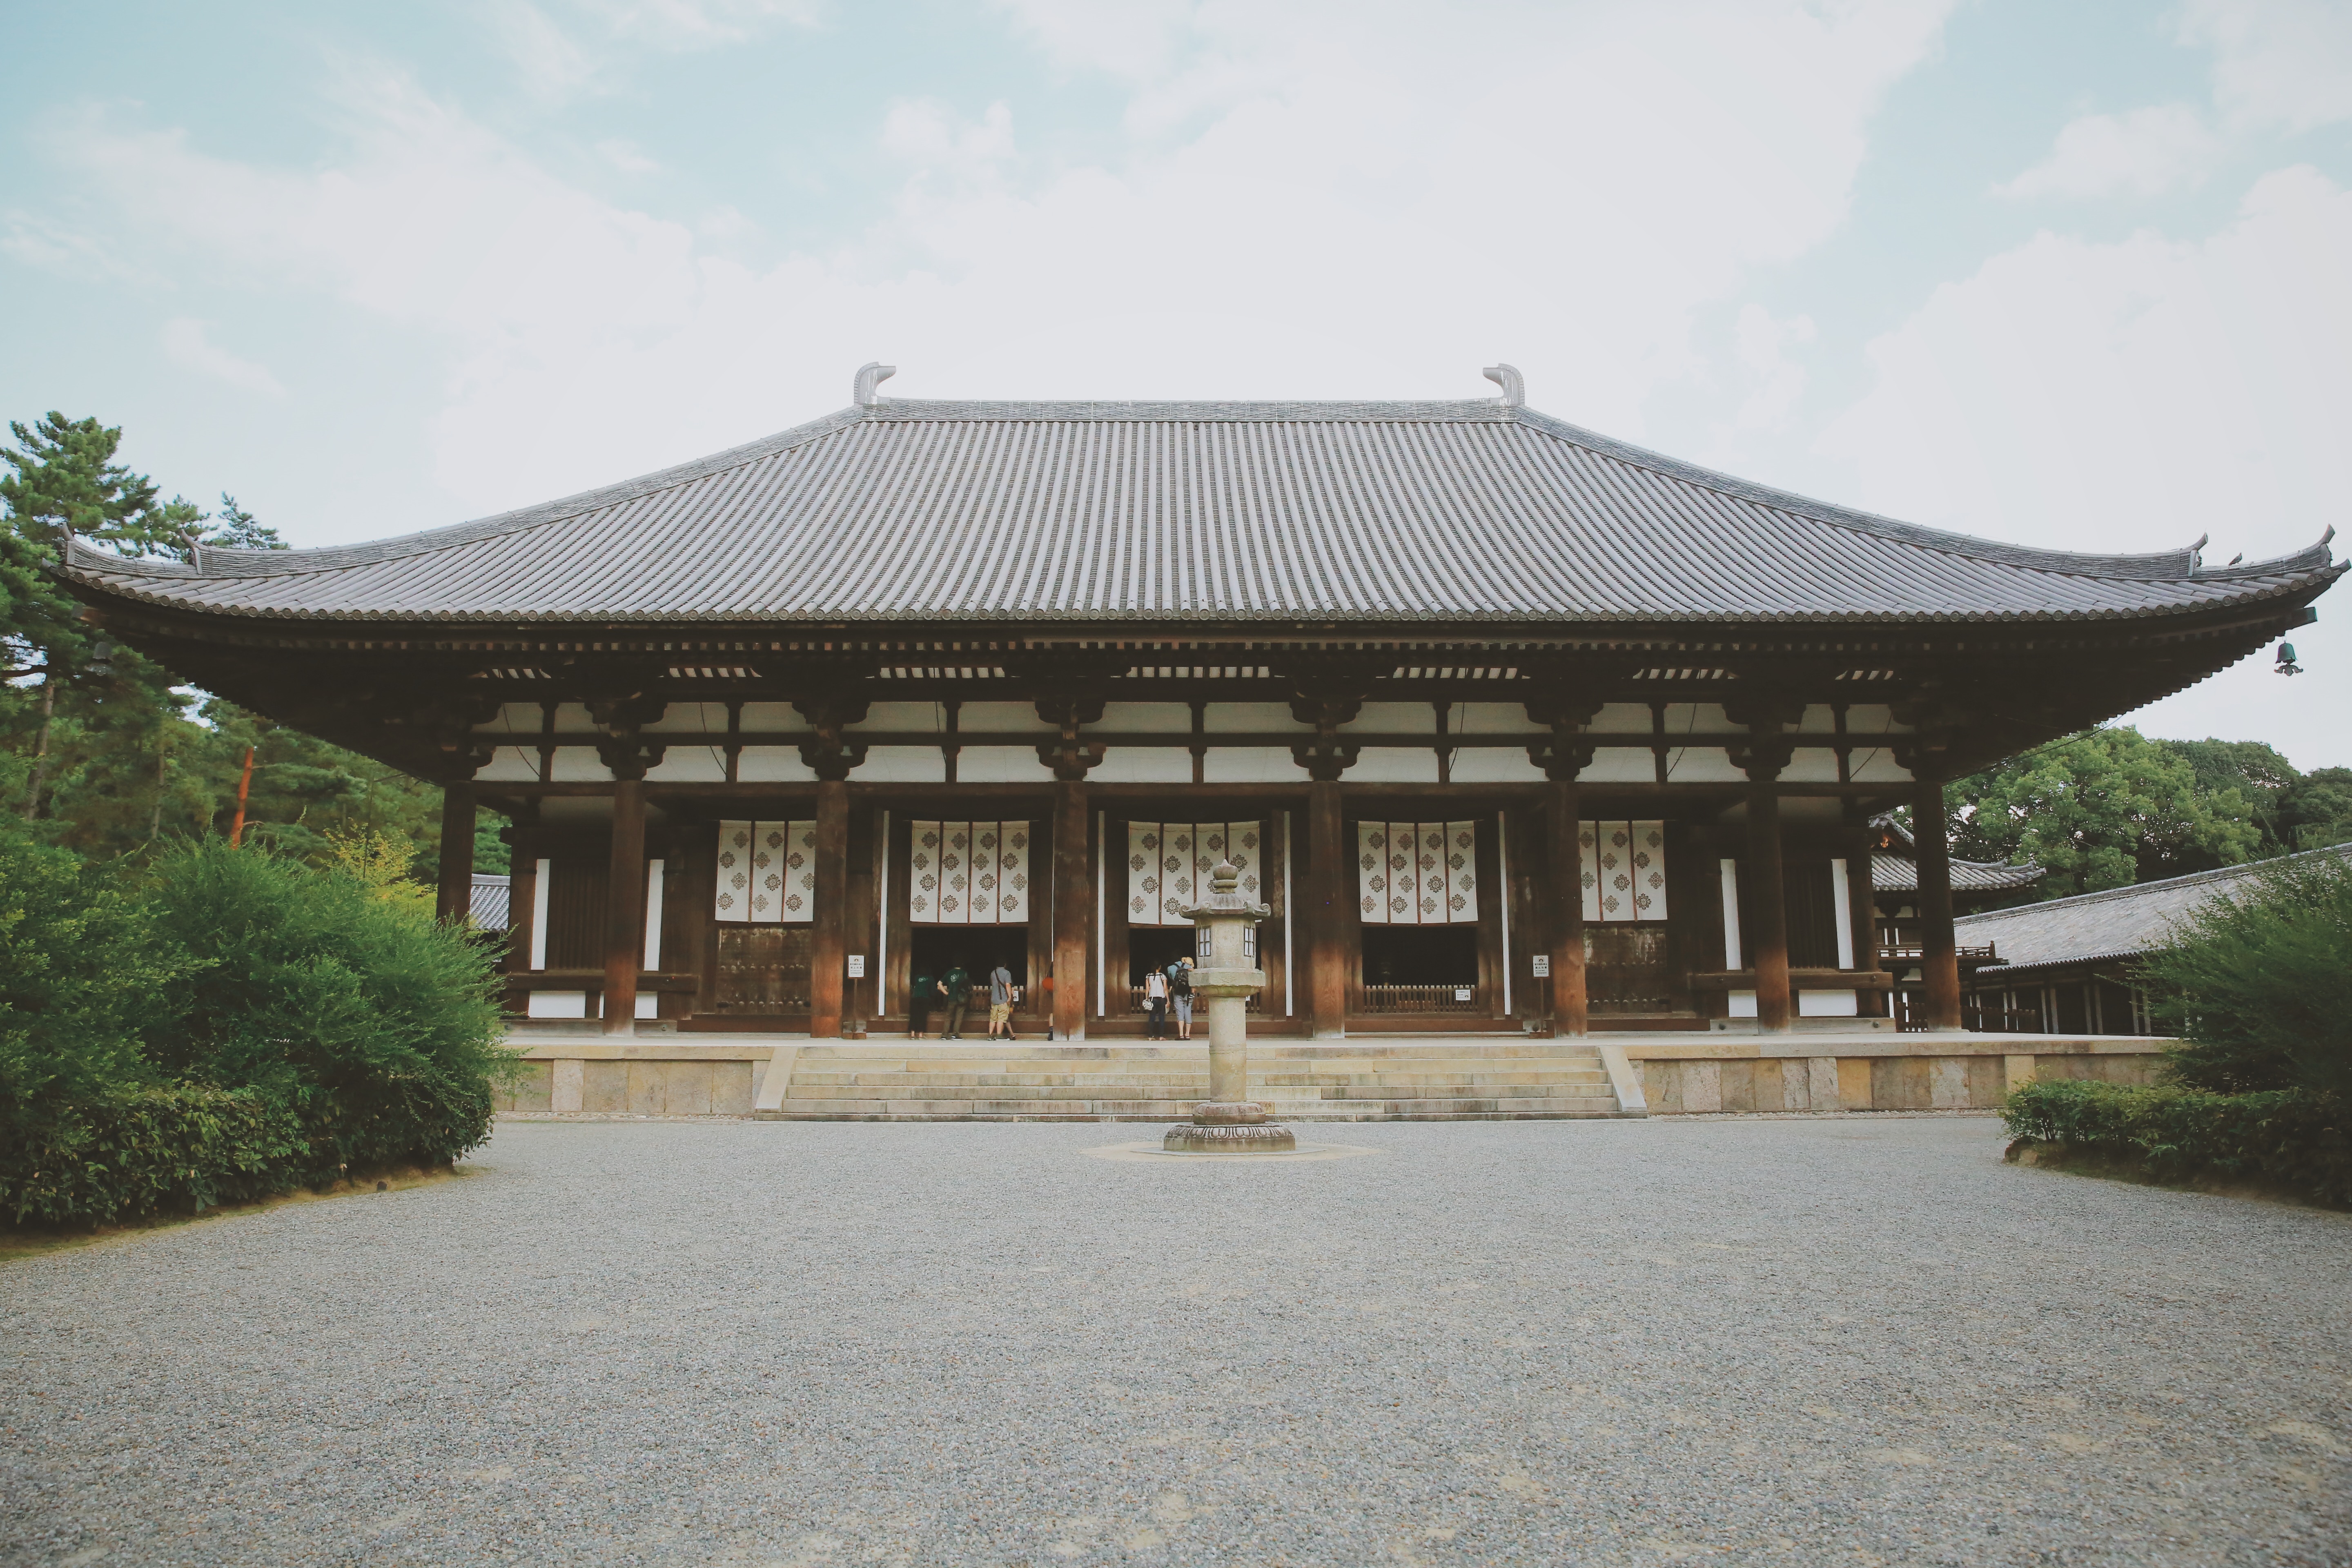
(1461, 993)
(1543, 966)
(858, 966)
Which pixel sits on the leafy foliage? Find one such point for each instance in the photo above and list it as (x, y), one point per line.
(2293, 1137)
(127, 1153)
(79, 969)
(2104, 809)
(2259, 985)
(378, 1027)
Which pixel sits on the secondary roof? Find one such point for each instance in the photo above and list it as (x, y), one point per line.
(1479, 511)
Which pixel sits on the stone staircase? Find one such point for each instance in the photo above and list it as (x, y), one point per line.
(1429, 1079)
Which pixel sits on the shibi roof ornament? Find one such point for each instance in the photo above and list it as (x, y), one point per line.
(1514, 385)
(870, 377)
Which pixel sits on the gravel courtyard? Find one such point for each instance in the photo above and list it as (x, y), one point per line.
(1843, 1339)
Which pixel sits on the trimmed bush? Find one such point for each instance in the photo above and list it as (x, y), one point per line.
(2259, 985)
(2292, 1138)
(126, 1154)
(377, 1026)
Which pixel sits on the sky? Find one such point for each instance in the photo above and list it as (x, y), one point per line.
(2073, 275)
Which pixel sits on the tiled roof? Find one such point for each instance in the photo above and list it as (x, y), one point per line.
(2088, 926)
(1900, 874)
(489, 901)
(1478, 511)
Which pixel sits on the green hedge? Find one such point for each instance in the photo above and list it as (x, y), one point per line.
(127, 1154)
(2295, 1137)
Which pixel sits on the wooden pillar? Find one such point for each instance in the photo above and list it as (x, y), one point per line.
(1564, 908)
(1862, 901)
(455, 895)
(1767, 908)
(1329, 902)
(827, 955)
(624, 907)
(1073, 902)
(1939, 949)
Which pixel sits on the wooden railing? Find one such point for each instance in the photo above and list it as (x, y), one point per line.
(1417, 999)
(1142, 1009)
(1904, 954)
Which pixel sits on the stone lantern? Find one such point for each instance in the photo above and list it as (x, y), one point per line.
(1226, 973)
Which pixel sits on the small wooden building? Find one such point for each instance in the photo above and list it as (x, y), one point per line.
(1513, 725)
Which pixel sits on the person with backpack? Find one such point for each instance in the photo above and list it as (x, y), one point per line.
(1155, 999)
(957, 983)
(1180, 993)
(1002, 995)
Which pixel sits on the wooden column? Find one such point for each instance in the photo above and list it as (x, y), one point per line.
(1329, 901)
(1073, 904)
(1564, 908)
(1767, 908)
(624, 907)
(1862, 898)
(1939, 949)
(827, 955)
(455, 895)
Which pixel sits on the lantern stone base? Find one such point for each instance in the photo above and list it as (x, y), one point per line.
(1230, 1138)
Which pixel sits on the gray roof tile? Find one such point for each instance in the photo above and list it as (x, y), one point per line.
(1006, 511)
(2088, 926)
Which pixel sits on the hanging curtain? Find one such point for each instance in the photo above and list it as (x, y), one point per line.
(1417, 873)
(969, 873)
(766, 873)
(1624, 870)
(1168, 865)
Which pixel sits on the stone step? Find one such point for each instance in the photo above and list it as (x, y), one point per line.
(1077, 1111)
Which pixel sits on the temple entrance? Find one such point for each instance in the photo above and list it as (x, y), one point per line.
(935, 950)
(1628, 969)
(762, 971)
(1420, 969)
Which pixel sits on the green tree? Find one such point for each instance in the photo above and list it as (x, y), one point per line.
(2103, 808)
(2315, 811)
(2260, 775)
(2258, 985)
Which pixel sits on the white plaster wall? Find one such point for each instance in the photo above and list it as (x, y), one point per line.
(579, 765)
(1147, 719)
(1625, 719)
(1001, 765)
(1495, 764)
(1252, 718)
(690, 719)
(772, 764)
(517, 719)
(1702, 764)
(1621, 765)
(1877, 765)
(1494, 719)
(509, 764)
(901, 716)
(1811, 764)
(1827, 1004)
(1144, 764)
(770, 718)
(1873, 719)
(1251, 765)
(1390, 764)
(1394, 718)
(1003, 718)
(902, 765)
(693, 764)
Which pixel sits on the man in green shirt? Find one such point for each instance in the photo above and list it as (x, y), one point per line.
(922, 990)
(958, 980)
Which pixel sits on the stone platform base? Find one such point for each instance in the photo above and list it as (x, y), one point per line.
(1230, 1138)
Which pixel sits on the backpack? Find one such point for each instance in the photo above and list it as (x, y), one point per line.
(1180, 981)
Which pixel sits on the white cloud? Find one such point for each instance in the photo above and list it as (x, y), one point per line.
(2131, 397)
(581, 45)
(187, 343)
(2145, 152)
(625, 157)
(1376, 204)
(2277, 62)
(1764, 342)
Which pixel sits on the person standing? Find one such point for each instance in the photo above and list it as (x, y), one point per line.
(922, 992)
(1002, 995)
(1179, 995)
(1155, 999)
(957, 983)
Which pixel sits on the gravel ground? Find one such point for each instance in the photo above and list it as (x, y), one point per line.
(1843, 1340)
